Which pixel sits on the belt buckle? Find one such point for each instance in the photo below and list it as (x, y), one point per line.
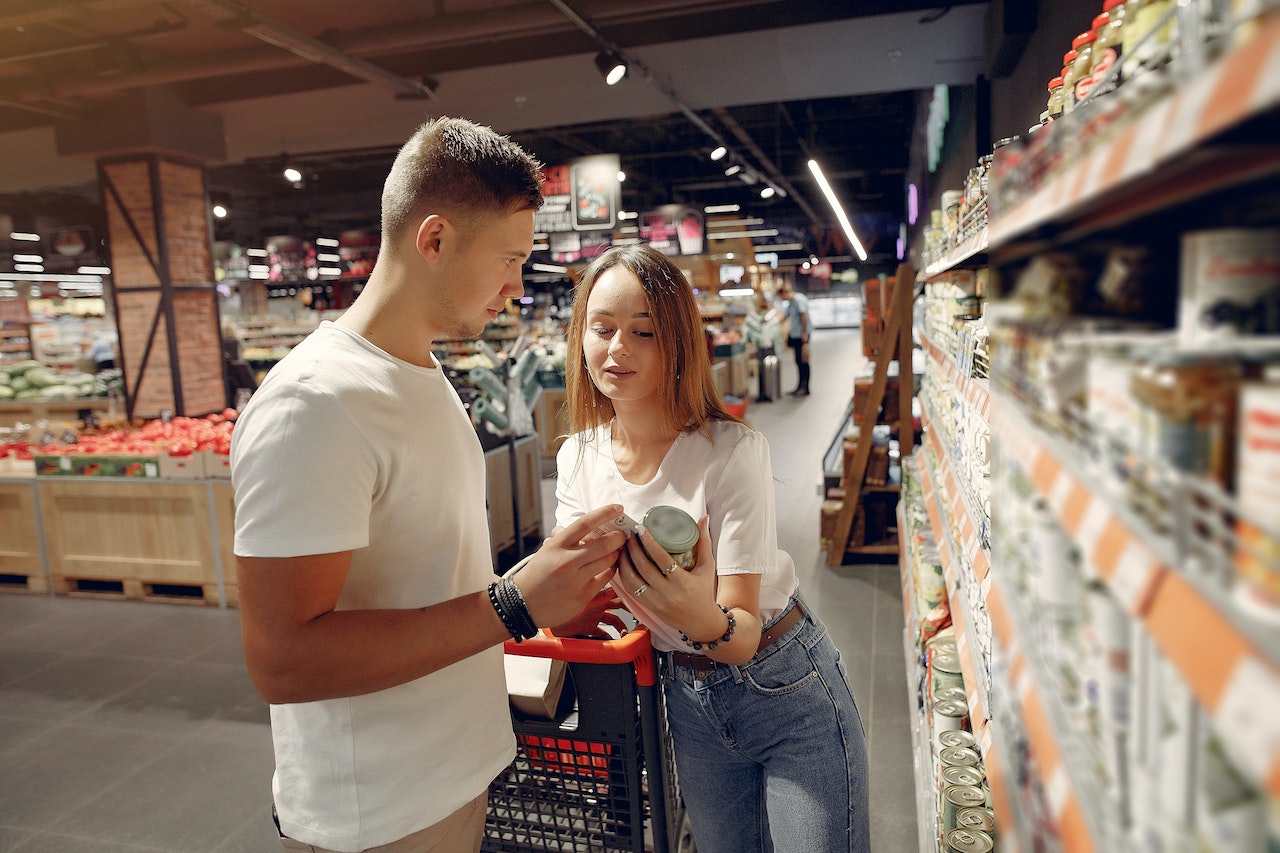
(703, 669)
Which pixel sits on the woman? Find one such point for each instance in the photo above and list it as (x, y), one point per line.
(769, 745)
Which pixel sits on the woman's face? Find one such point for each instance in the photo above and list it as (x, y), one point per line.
(618, 342)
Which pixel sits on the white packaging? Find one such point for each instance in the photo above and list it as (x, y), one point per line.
(1224, 273)
(1258, 496)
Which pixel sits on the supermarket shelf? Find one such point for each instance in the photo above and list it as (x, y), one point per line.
(922, 745)
(975, 390)
(1232, 666)
(1163, 154)
(968, 253)
(968, 528)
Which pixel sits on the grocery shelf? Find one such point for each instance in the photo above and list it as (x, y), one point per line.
(976, 391)
(1158, 156)
(1231, 665)
(969, 252)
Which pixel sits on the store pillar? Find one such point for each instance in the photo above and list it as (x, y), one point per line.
(150, 155)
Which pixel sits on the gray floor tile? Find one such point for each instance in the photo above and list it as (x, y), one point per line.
(52, 842)
(187, 799)
(74, 685)
(893, 833)
(176, 698)
(11, 838)
(15, 731)
(57, 773)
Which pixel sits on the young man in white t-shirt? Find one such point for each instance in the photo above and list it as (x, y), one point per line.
(372, 619)
(798, 328)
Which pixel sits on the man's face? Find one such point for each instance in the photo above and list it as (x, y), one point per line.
(482, 272)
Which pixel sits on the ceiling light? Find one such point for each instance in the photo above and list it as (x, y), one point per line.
(721, 208)
(839, 210)
(718, 152)
(622, 176)
(732, 170)
(611, 66)
(292, 175)
(767, 192)
(220, 211)
(24, 236)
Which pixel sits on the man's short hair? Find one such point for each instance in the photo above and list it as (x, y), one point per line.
(460, 169)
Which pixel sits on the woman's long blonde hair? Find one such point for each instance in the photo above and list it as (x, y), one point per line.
(682, 346)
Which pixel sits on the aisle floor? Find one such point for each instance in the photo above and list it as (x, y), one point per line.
(129, 726)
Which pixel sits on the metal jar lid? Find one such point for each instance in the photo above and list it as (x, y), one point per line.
(675, 529)
(959, 756)
(959, 774)
(977, 817)
(955, 737)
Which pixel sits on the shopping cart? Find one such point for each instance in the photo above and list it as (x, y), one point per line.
(598, 777)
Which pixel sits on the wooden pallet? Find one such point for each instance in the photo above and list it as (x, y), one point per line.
(137, 590)
(24, 583)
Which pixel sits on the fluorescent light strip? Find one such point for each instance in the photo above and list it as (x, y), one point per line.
(738, 291)
(729, 235)
(725, 223)
(88, 279)
(326, 241)
(94, 270)
(721, 208)
(29, 267)
(23, 258)
(24, 236)
(839, 210)
(548, 268)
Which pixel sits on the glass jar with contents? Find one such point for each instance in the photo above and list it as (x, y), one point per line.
(1055, 97)
(1107, 47)
(1143, 18)
(676, 531)
(1075, 83)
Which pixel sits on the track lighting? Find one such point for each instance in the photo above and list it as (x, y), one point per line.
(767, 192)
(292, 175)
(718, 152)
(611, 66)
(837, 208)
(732, 170)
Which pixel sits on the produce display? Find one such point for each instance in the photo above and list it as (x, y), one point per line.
(30, 380)
(181, 447)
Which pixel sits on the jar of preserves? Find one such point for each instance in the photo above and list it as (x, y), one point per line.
(1107, 47)
(1078, 73)
(676, 531)
(1055, 97)
(1151, 18)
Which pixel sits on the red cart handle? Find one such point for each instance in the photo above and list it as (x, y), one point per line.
(634, 647)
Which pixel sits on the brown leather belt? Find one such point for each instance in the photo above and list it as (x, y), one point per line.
(703, 665)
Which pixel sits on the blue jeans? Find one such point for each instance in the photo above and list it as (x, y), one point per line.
(771, 755)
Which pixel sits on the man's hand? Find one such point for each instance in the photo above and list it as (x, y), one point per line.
(567, 571)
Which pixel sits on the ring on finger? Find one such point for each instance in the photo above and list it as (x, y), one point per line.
(674, 565)
(640, 590)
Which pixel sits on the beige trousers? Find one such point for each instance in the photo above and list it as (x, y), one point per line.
(460, 832)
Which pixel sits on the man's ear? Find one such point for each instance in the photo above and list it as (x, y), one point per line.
(431, 235)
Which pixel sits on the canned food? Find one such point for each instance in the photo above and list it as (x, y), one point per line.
(941, 694)
(959, 756)
(964, 840)
(949, 714)
(959, 797)
(980, 818)
(676, 531)
(944, 739)
(959, 774)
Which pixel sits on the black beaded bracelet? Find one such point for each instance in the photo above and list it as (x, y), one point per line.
(514, 600)
(698, 646)
(508, 621)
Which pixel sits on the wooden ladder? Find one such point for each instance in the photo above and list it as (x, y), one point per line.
(896, 347)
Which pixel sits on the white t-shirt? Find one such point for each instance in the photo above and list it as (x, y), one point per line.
(346, 448)
(726, 476)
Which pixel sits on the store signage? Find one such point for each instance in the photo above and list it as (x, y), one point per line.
(583, 195)
(674, 229)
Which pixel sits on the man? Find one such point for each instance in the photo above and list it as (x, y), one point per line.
(797, 314)
(368, 617)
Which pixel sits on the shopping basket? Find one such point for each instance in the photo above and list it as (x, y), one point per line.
(598, 777)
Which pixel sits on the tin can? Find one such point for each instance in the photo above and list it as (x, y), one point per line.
(941, 694)
(945, 665)
(949, 714)
(956, 798)
(980, 818)
(964, 840)
(959, 756)
(962, 775)
(676, 531)
(1227, 278)
(946, 738)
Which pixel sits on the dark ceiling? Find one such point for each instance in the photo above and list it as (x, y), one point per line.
(334, 87)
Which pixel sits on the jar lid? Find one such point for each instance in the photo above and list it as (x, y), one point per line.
(675, 529)
(1068, 58)
(1083, 39)
(1055, 82)
(1100, 21)
(1111, 4)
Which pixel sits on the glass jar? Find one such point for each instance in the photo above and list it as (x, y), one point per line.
(1107, 48)
(1055, 97)
(676, 531)
(1143, 17)
(1078, 72)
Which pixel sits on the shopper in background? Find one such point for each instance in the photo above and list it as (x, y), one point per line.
(769, 744)
(103, 351)
(362, 537)
(798, 328)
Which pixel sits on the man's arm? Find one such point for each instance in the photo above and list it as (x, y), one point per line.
(298, 648)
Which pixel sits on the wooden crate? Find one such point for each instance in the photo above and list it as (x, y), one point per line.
(22, 566)
(224, 514)
(140, 540)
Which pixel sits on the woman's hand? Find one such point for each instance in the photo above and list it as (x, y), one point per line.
(598, 612)
(685, 599)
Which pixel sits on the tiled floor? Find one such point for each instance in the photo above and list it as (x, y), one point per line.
(133, 726)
